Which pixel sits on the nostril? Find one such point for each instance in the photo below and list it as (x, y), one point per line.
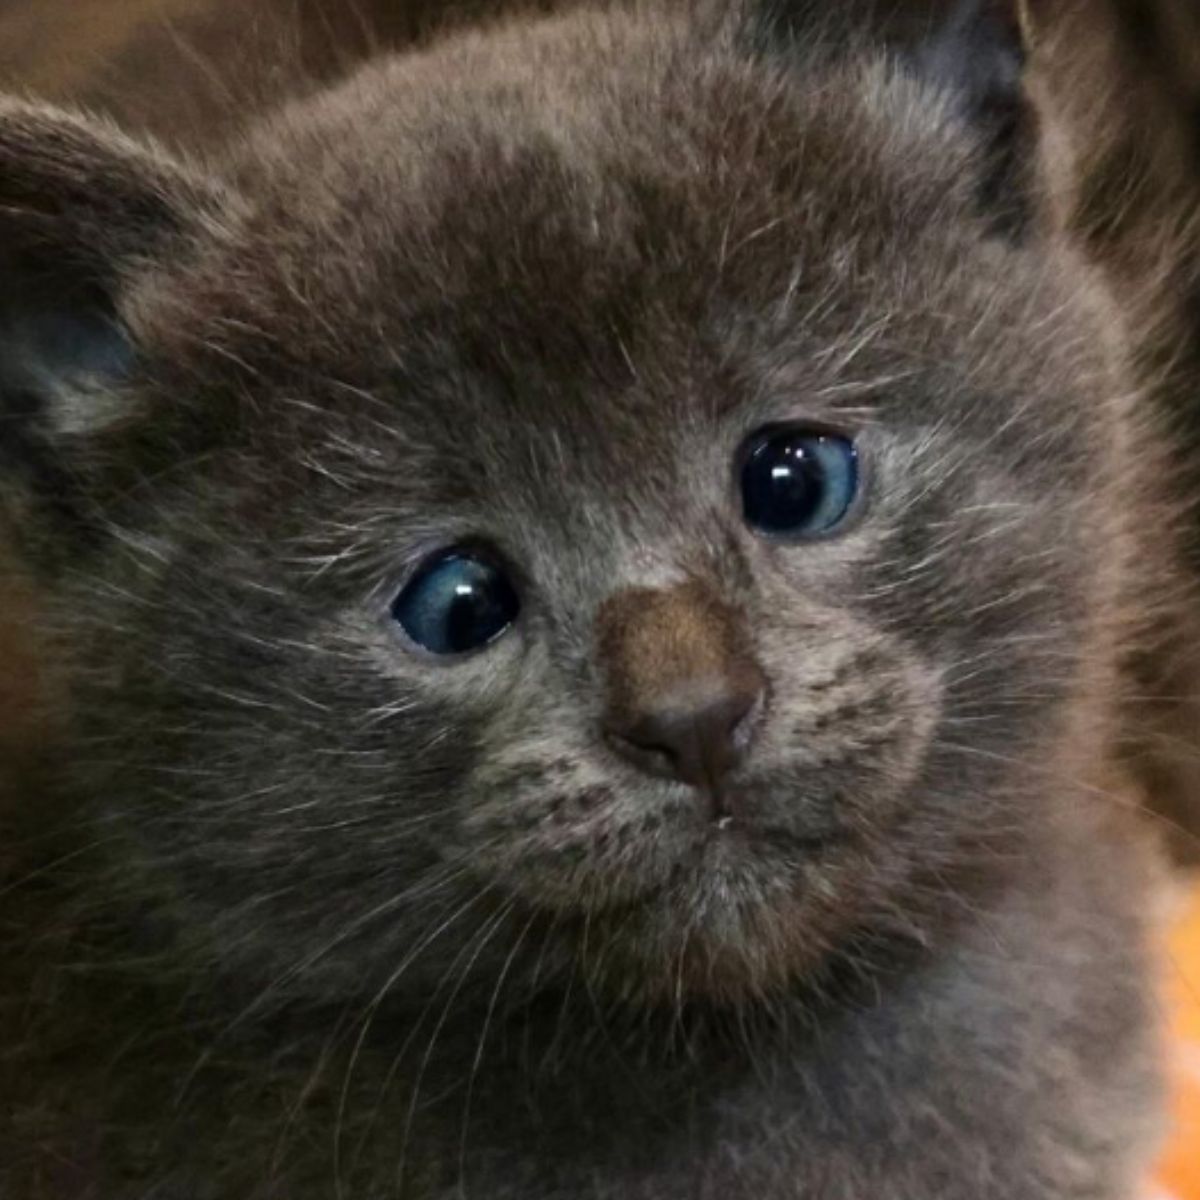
(735, 713)
(651, 756)
(697, 735)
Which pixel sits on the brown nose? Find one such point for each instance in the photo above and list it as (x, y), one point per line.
(683, 689)
(696, 735)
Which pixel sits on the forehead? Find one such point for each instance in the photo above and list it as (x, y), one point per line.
(553, 273)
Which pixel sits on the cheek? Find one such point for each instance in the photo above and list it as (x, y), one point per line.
(853, 708)
(540, 805)
(978, 556)
(1009, 631)
(993, 577)
(302, 759)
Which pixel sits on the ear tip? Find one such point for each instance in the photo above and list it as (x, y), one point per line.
(78, 180)
(81, 205)
(1012, 23)
(38, 136)
(24, 119)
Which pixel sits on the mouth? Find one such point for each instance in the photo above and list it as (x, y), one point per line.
(726, 905)
(722, 869)
(738, 817)
(740, 857)
(730, 838)
(662, 852)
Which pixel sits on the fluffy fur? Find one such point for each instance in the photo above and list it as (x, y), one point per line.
(301, 913)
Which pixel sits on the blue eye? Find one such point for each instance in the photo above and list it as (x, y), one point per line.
(797, 481)
(456, 603)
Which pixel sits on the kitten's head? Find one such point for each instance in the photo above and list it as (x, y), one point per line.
(585, 494)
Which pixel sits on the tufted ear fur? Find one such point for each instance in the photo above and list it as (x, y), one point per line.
(84, 210)
(977, 56)
(85, 214)
(970, 51)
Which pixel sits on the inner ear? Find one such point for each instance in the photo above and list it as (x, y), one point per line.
(84, 211)
(976, 56)
(61, 355)
(971, 52)
(86, 215)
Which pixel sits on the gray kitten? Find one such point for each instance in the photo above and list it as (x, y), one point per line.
(590, 577)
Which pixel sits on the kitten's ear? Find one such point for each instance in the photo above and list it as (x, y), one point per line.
(972, 52)
(976, 55)
(84, 210)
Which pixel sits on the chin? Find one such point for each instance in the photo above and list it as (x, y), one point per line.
(733, 927)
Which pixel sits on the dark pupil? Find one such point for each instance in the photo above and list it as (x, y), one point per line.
(783, 484)
(479, 609)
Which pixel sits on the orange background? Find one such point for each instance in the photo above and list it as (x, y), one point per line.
(1179, 1178)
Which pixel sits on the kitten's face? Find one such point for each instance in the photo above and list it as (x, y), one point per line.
(561, 355)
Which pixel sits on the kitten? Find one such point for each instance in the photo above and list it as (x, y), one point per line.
(589, 578)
